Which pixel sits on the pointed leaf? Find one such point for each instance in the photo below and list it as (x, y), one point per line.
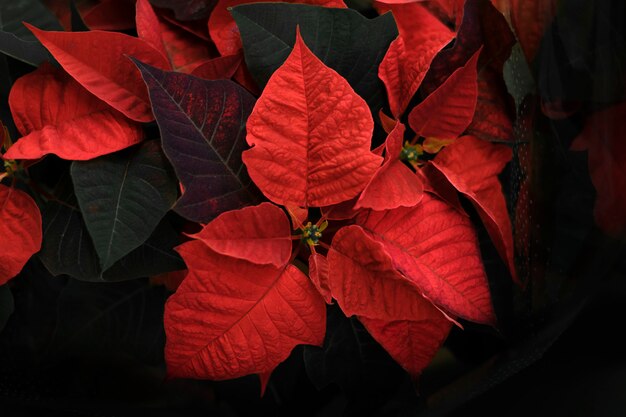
(342, 38)
(111, 15)
(472, 167)
(310, 147)
(68, 249)
(231, 318)
(482, 26)
(220, 68)
(224, 31)
(318, 272)
(530, 19)
(202, 126)
(111, 77)
(20, 228)
(123, 197)
(394, 184)
(187, 9)
(493, 119)
(413, 344)
(448, 110)
(184, 50)
(436, 248)
(259, 234)
(56, 115)
(408, 59)
(365, 283)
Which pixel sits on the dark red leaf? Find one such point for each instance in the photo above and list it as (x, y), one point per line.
(436, 248)
(409, 57)
(57, 115)
(110, 15)
(231, 318)
(20, 228)
(187, 9)
(259, 234)
(220, 68)
(112, 77)
(472, 166)
(530, 19)
(184, 50)
(170, 280)
(394, 184)
(223, 29)
(603, 138)
(202, 127)
(492, 119)
(448, 110)
(310, 134)
(364, 281)
(482, 25)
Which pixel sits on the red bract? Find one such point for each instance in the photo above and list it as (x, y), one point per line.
(259, 234)
(603, 138)
(435, 247)
(56, 115)
(20, 229)
(448, 110)
(409, 56)
(472, 167)
(530, 19)
(310, 134)
(110, 76)
(231, 318)
(319, 274)
(364, 281)
(394, 184)
(223, 29)
(110, 15)
(492, 118)
(220, 68)
(184, 50)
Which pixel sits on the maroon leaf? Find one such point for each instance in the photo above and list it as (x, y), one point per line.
(203, 132)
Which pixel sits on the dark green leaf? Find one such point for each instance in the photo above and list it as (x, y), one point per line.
(6, 305)
(122, 197)
(343, 39)
(18, 42)
(68, 249)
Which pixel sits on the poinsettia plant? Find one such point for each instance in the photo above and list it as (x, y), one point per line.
(272, 162)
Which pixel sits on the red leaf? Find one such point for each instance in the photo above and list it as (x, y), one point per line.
(20, 228)
(318, 272)
(111, 15)
(409, 56)
(56, 115)
(448, 110)
(412, 344)
(220, 68)
(112, 77)
(259, 234)
(530, 19)
(603, 137)
(394, 184)
(298, 216)
(310, 134)
(224, 31)
(365, 283)
(184, 50)
(472, 166)
(342, 211)
(231, 318)
(436, 248)
(386, 122)
(492, 118)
